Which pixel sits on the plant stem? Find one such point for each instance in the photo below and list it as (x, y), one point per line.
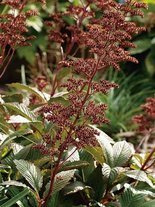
(53, 174)
(146, 138)
(148, 159)
(68, 50)
(5, 67)
(150, 165)
(57, 167)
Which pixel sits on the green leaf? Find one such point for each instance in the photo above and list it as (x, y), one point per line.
(75, 187)
(63, 73)
(61, 180)
(1, 188)
(16, 198)
(22, 154)
(31, 173)
(12, 136)
(74, 165)
(141, 46)
(106, 148)
(96, 152)
(86, 171)
(103, 136)
(148, 204)
(96, 181)
(35, 22)
(29, 89)
(14, 183)
(13, 98)
(54, 200)
(131, 199)
(106, 169)
(22, 110)
(27, 52)
(150, 1)
(150, 63)
(140, 176)
(2, 167)
(121, 153)
(110, 174)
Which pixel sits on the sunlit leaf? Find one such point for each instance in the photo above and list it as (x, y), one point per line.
(31, 173)
(121, 152)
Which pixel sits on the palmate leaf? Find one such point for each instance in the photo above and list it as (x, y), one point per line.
(102, 135)
(140, 176)
(86, 171)
(110, 174)
(148, 204)
(121, 152)
(105, 142)
(106, 169)
(16, 198)
(116, 155)
(107, 150)
(135, 198)
(131, 199)
(96, 152)
(31, 173)
(97, 183)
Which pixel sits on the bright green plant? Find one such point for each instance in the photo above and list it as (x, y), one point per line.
(124, 101)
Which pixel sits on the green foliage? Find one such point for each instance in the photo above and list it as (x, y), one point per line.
(95, 175)
(31, 173)
(123, 102)
(131, 199)
(145, 43)
(142, 45)
(134, 198)
(61, 180)
(88, 175)
(16, 198)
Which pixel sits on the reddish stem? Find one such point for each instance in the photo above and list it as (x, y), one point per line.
(148, 159)
(5, 67)
(53, 174)
(70, 47)
(6, 42)
(57, 167)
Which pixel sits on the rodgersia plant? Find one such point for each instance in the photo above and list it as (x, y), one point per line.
(106, 39)
(146, 128)
(98, 38)
(146, 121)
(13, 28)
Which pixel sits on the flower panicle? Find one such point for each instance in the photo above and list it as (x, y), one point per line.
(104, 42)
(146, 120)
